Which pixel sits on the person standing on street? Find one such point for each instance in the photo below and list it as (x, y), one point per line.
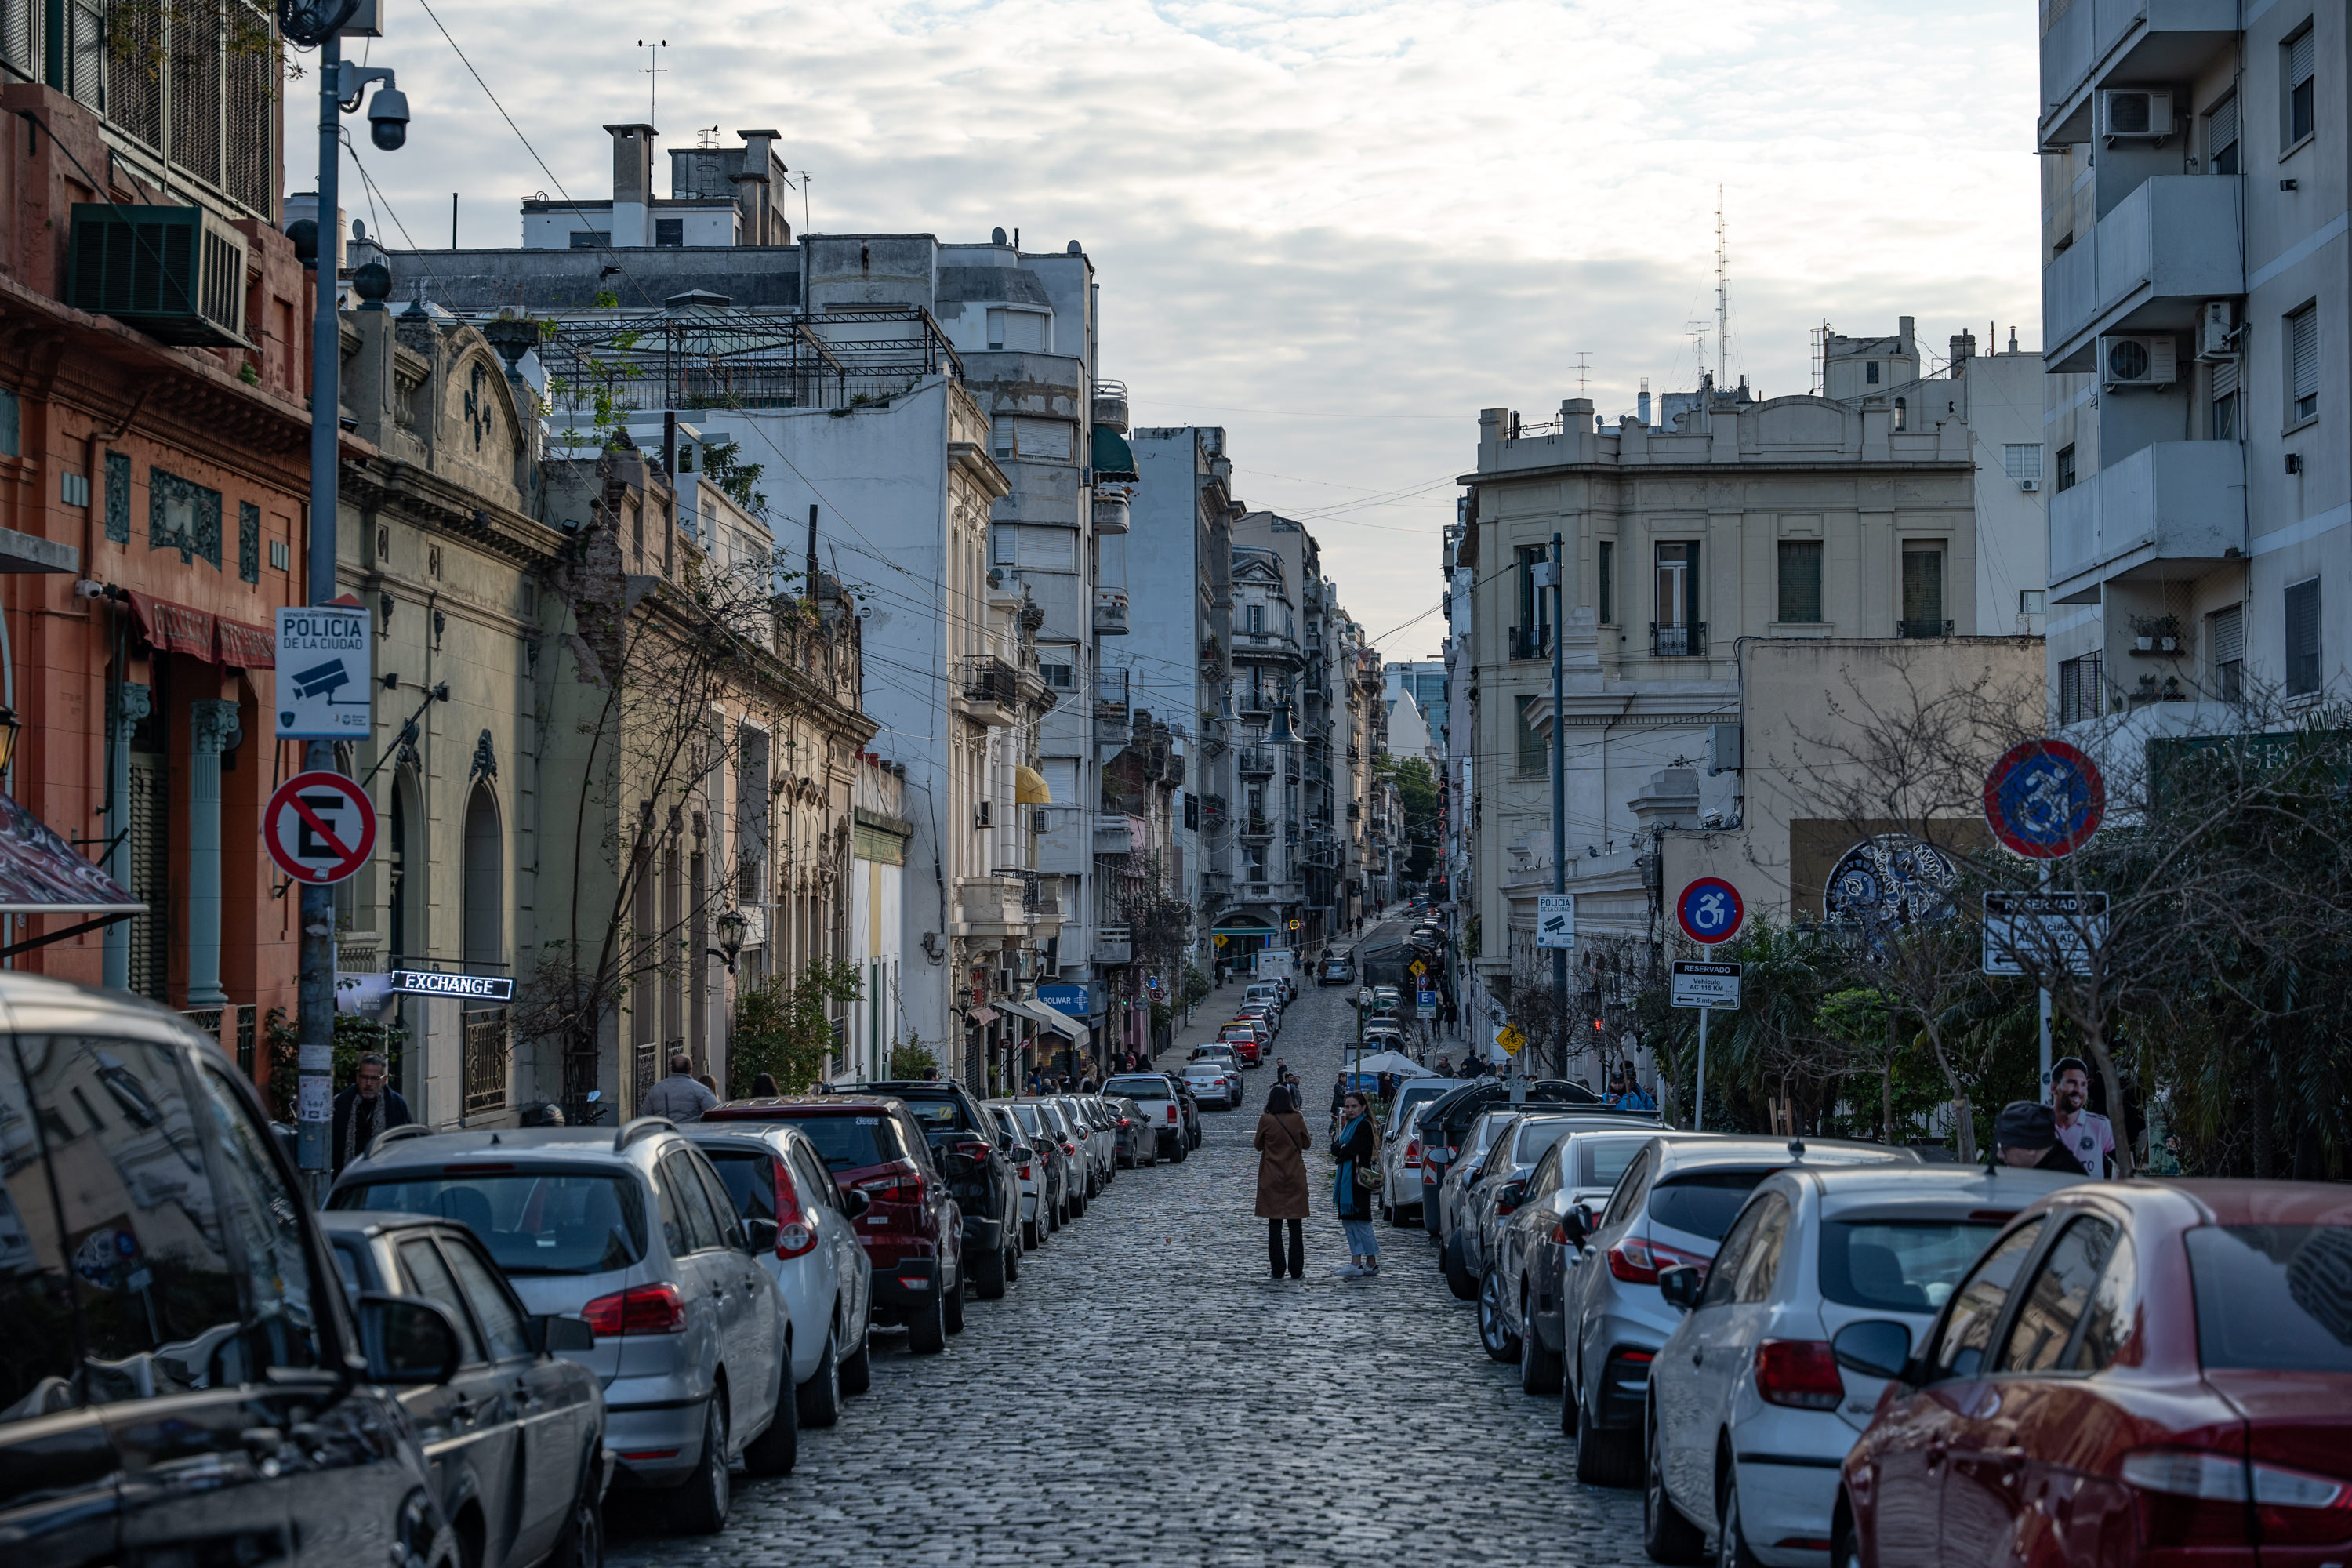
(369, 1106)
(2088, 1137)
(1281, 1142)
(678, 1096)
(1356, 1147)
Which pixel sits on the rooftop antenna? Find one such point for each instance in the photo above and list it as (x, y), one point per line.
(1696, 332)
(1722, 295)
(1584, 368)
(652, 73)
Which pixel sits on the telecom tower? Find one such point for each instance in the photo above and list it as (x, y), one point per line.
(1722, 294)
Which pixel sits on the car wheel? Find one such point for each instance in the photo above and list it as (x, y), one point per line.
(858, 1366)
(819, 1399)
(1077, 1204)
(1494, 1332)
(1012, 1264)
(1605, 1458)
(952, 1306)
(699, 1506)
(582, 1544)
(1731, 1543)
(1538, 1367)
(1666, 1535)
(1845, 1542)
(988, 1276)
(1056, 1216)
(1184, 1150)
(927, 1329)
(1029, 1233)
(1458, 1278)
(775, 1451)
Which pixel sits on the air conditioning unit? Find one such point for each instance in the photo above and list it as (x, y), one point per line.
(175, 273)
(2029, 484)
(2138, 362)
(2217, 329)
(2135, 113)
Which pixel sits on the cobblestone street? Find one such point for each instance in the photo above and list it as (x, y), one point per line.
(1146, 1394)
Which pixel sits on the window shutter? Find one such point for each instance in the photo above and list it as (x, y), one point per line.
(2225, 378)
(2222, 128)
(2303, 638)
(2301, 57)
(1691, 601)
(2302, 334)
(2229, 635)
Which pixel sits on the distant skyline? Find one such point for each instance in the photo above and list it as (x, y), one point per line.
(1337, 230)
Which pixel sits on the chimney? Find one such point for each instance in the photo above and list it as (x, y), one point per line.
(1643, 402)
(1963, 348)
(755, 192)
(1907, 329)
(632, 184)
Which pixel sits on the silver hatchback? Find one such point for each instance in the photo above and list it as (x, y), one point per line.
(637, 1233)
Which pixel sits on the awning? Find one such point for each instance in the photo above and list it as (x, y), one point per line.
(1114, 458)
(245, 646)
(41, 875)
(1029, 788)
(1059, 1022)
(200, 633)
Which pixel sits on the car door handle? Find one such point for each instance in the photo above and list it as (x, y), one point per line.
(1698, 1358)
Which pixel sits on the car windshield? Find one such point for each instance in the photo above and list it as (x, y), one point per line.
(852, 1142)
(1139, 1088)
(1410, 1096)
(1704, 1203)
(533, 1223)
(2272, 1297)
(941, 1115)
(1031, 1122)
(1900, 1265)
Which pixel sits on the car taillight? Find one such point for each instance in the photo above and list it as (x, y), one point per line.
(1024, 1174)
(1070, 1148)
(2196, 1498)
(902, 1184)
(639, 1309)
(973, 1148)
(1637, 1261)
(1413, 1155)
(1802, 1373)
(1171, 1113)
(794, 1235)
(1123, 1121)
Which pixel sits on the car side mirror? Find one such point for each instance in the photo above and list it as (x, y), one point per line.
(1022, 1151)
(407, 1339)
(856, 1202)
(1578, 1226)
(1680, 1286)
(554, 1334)
(758, 1236)
(1875, 1347)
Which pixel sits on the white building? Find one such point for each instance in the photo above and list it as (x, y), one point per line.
(880, 832)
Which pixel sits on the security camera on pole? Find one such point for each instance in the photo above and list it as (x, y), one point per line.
(320, 24)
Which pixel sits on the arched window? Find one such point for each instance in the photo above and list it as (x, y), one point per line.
(485, 881)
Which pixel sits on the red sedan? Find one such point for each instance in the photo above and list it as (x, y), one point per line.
(2144, 1374)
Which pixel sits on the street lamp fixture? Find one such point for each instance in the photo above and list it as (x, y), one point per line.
(732, 926)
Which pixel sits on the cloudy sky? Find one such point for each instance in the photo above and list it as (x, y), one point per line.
(1336, 227)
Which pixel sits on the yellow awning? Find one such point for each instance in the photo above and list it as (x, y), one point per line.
(1029, 788)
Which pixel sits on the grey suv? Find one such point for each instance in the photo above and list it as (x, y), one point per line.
(636, 1232)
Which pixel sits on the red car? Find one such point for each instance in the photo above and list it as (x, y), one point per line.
(1247, 1039)
(2144, 1374)
(913, 1231)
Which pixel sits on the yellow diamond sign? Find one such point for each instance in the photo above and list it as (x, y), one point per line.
(1510, 1039)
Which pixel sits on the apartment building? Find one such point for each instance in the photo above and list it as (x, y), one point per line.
(2195, 278)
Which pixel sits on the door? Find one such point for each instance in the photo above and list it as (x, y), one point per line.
(712, 1291)
(764, 1316)
(469, 1424)
(549, 1410)
(838, 1238)
(1695, 1372)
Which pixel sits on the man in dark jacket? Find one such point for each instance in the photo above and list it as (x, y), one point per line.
(367, 1108)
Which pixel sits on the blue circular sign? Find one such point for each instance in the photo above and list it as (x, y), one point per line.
(2044, 799)
(1709, 910)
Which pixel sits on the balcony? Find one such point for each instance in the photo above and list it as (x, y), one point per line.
(1266, 647)
(991, 692)
(992, 906)
(2099, 43)
(1112, 513)
(1255, 762)
(1110, 405)
(1530, 642)
(2166, 513)
(1114, 944)
(1257, 824)
(2159, 254)
(1678, 642)
(1120, 836)
(1923, 629)
(1110, 611)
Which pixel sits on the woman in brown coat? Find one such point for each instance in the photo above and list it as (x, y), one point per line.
(1282, 1143)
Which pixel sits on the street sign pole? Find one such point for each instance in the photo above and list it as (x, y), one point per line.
(1558, 801)
(315, 996)
(2042, 999)
(1698, 1101)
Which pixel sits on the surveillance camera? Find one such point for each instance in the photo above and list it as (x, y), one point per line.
(388, 118)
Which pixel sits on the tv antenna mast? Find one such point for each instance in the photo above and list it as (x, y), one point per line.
(1722, 295)
(1583, 368)
(653, 74)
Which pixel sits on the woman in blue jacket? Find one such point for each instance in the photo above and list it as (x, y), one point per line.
(1356, 1147)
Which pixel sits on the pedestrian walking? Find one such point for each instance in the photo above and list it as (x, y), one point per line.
(1356, 1147)
(2084, 1134)
(1282, 1142)
(1338, 1094)
(369, 1106)
(678, 1096)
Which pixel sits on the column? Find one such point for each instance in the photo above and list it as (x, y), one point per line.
(213, 729)
(129, 706)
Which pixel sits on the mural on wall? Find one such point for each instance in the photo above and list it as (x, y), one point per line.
(1891, 880)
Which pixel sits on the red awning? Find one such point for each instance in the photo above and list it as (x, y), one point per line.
(247, 648)
(200, 633)
(41, 875)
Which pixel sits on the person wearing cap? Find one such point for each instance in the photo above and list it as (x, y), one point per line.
(2025, 1137)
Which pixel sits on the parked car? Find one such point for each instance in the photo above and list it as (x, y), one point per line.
(515, 1440)
(1384, 1035)
(1749, 1410)
(1336, 971)
(1215, 1082)
(1056, 1166)
(1106, 1119)
(1029, 1168)
(1543, 1239)
(634, 1231)
(1075, 1137)
(1163, 1107)
(1450, 1119)
(145, 1346)
(979, 1175)
(1265, 1010)
(1671, 1206)
(1453, 1192)
(1401, 1146)
(913, 1231)
(774, 1174)
(1097, 1150)
(2170, 1382)
(1226, 1053)
(1487, 1207)
(1070, 1167)
(1138, 1141)
(1247, 1036)
(1275, 994)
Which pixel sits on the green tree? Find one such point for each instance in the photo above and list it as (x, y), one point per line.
(784, 1027)
(1416, 785)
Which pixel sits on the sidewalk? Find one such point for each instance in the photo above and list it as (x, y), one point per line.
(1207, 1019)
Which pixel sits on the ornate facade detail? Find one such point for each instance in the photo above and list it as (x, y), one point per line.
(486, 760)
(184, 515)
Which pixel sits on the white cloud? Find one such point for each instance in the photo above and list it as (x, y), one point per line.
(1337, 229)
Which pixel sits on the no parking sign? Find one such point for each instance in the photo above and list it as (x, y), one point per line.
(320, 827)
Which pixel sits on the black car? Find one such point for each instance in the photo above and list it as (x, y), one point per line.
(1444, 1124)
(183, 1378)
(978, 1173)
(516, 1440)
